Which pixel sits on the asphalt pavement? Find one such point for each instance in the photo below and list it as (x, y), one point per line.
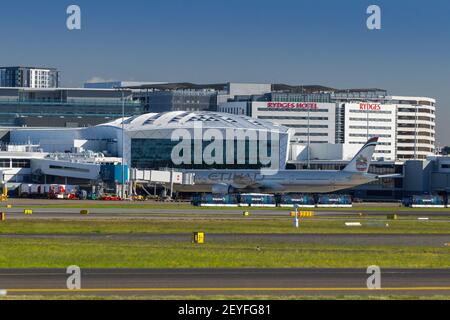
(275, 282)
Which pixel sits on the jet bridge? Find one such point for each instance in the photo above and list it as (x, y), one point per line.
(154, 176)
(166, 179)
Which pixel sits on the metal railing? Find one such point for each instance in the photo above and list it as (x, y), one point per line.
(70, 102)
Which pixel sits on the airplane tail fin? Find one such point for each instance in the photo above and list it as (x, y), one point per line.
(361, 162)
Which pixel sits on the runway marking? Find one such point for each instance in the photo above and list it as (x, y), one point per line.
(222, 290)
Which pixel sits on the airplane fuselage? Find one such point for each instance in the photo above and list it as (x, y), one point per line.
(284, 181)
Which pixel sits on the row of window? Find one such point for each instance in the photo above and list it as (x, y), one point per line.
(312, 142)
(312, 126)
(291, 110)
(406, 157)
(15, 163)
(413, 110)
(413, 102)
(313, 134)
(379, 143)
(413, 125)
(293, 118)
(371, 120)
(360, 135)
(418, 141)
(368, 111)
(419, 133)
(418, 149)
(415, 118)
(374, 128)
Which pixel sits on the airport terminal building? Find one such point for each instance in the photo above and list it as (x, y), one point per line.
(318, 116)
(318, 128)
(149, 140)
(81, 155)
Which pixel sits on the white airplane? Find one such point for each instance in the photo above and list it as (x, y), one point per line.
(286, 181)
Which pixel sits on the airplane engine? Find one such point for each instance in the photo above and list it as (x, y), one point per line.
(222, 188)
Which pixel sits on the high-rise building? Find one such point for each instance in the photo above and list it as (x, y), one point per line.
(29, 77)
(406, 125)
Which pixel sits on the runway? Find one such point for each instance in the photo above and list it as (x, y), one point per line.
(275, 282)
(428, 240)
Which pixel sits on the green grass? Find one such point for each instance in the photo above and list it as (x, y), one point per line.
(185, 206)
(108, 253)
(208, 225)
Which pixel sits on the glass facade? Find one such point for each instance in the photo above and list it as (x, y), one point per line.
(157, 154)
(182, 100)
(300, 97)
(63, 107)
(43, 113)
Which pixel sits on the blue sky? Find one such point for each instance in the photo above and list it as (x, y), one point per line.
(292, 41)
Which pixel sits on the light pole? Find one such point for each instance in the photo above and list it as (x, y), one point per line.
(309, 138)
(123, 143)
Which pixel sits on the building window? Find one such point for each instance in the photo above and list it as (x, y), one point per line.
(157, 154)
(5, 163)
(21, 163)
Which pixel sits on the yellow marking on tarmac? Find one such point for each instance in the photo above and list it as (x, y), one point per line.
(220, 289)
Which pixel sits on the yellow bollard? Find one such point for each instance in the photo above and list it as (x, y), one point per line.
(3, 216)
(28, 212)
(306, 214)
(8, 206)
(198, 237)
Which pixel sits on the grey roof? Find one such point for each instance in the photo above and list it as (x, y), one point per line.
(184, 119)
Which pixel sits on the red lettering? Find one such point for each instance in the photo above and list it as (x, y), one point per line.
(370, 107)
(291, 105)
